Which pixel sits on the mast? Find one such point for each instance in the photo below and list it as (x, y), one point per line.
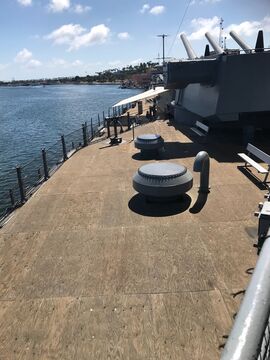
(220, 40)
(163, 46)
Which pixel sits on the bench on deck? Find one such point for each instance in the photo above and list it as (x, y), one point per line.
(200, 129)
(259, 154)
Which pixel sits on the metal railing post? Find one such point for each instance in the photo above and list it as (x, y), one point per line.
(11, 197)
(92, 130)
(45, 165)
(98, 120)
(85, 142)
(64, 148)
(133, 131)
(20, 182)
(115, 127)
(108, 128)
(109, 115)
(103, 114)
(128, 120)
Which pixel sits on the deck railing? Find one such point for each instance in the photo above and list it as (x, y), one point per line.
(250, 335)
(20, 183)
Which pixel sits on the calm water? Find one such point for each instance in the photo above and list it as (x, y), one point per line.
(35, 117)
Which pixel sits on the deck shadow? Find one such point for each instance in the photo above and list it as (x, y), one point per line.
(177, 150)
(223, 144)
(139, 157)
(199, 204)
(252, 177)
(141, 206)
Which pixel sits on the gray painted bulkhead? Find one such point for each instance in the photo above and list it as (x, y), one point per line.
(240, 85)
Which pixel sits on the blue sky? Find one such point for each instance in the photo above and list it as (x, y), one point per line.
(51, 38)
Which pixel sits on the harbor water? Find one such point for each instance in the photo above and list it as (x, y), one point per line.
(33, 118)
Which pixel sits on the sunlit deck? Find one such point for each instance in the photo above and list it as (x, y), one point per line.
(90, 271)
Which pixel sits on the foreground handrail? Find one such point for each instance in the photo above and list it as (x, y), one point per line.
(249, 338)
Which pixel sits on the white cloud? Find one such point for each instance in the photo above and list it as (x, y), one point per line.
(144, 8)
(33, 63)
(157, 10)
(59, 5)
(202, 25)
(76, 36)
(245, 28)
(80, 9)
(97, 35)
(23, 56)
(65, 34)
(25, 2)
(124, 36)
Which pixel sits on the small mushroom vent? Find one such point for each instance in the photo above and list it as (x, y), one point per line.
(147, 142)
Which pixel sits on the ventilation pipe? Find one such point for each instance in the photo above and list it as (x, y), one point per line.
(214, 44)
(202, 165)
(247, 49)
(190, 52)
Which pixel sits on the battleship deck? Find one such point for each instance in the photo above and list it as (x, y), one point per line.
(88, 270)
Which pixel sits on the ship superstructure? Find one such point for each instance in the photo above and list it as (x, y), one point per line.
(222, 86)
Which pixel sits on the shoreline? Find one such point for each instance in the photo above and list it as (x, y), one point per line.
(9, 85)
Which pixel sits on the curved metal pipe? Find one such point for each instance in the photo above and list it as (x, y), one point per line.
(202, 165)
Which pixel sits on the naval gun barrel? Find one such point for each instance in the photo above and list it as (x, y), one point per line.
(240, 42)
(190, 52)
(214, 44)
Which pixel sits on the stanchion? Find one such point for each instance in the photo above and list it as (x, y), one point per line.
(21, 185)
(45, 165)
(108, 128)
(85, 141)
(64, 148)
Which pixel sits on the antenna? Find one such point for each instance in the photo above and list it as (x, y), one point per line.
(163, 46)
(220, 41)
(225, 42)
